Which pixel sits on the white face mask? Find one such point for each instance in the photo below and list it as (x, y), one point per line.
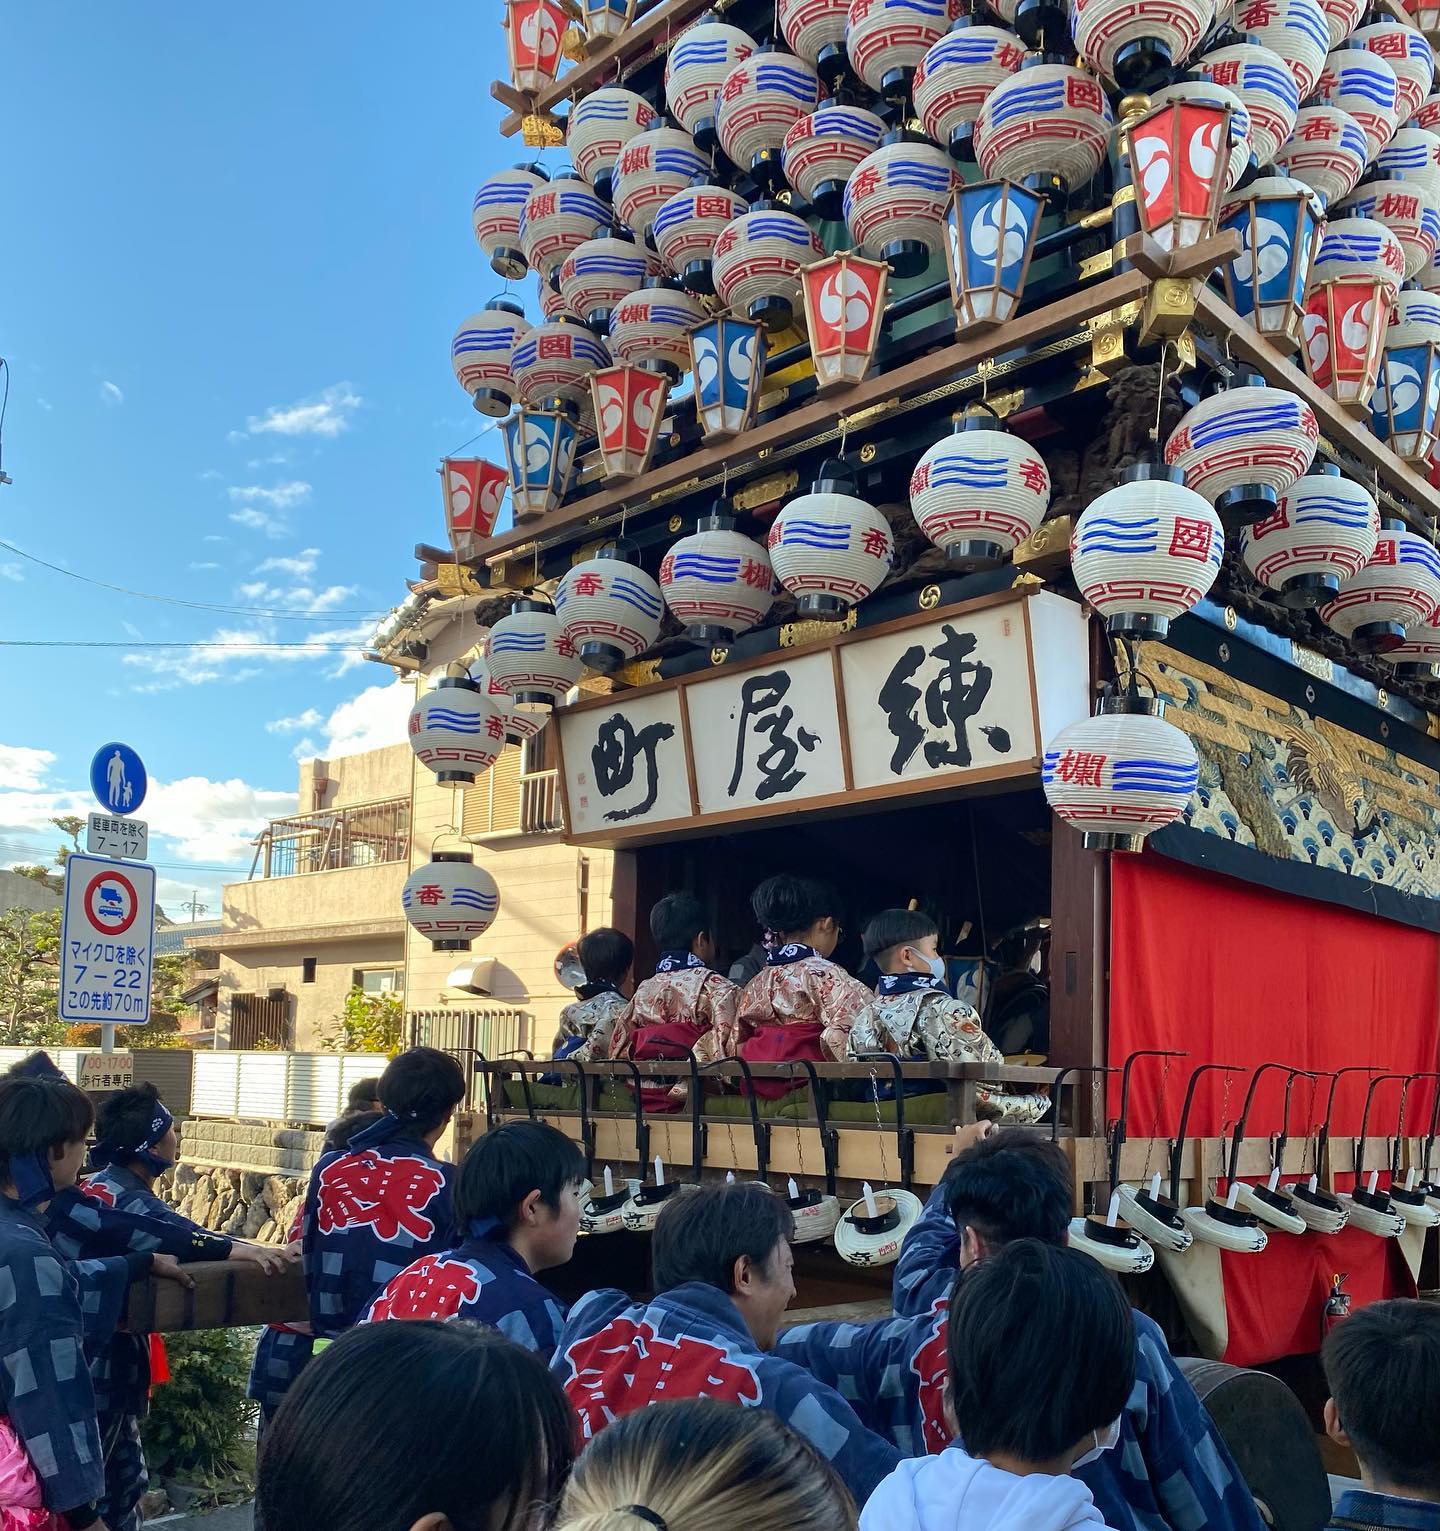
(1105, 1440)
(936, 965)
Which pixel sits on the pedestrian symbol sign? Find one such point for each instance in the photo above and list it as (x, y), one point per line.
(118, 779)
(107, 940)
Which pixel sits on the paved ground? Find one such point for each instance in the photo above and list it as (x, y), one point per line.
(240, 1518)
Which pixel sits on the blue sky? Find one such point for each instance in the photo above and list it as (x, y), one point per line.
(234, 243)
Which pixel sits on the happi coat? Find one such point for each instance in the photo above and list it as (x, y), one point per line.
(282, 1352)
(617, 1355)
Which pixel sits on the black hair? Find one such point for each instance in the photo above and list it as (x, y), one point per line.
(896, 927)
(449, 1419)
(702, 1233)
(1012, 1185)
(1041, 1344)
(605, 954)
(676, 920)
(363, 1094)
(36, 1065)
(422, 1086)
(343, 1128)
(786, 904)
(38, 1116)
(125, 1117)
(1383, 1367)
(504, 1166)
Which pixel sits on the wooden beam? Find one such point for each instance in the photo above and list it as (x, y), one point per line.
(1079, 957)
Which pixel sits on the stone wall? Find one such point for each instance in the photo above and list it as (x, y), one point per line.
(244, 1179)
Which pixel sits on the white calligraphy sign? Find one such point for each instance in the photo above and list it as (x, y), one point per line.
(625, 764)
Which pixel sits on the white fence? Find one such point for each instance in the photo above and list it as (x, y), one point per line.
(278, 1087)
(67, 1059)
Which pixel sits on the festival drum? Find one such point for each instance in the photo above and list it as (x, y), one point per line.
(1242, 155)
(481, 351)
(552, 366)
(895, 204)
(652, 168)
(1049, 122)
(757, 265)
(1408, 53)
(598, 274)
(651, 328)
(1265, 85)
(1365, 86)
(1407, 208)
(1137, 45)
(1326, 152)
(762, 98)
(888, 39)
(496, 216)
(822, 151)
(957, 75)
(815, 30)
(699, 62)
(559, 218)
(1296, 30)
(686, 228)
(601, 124)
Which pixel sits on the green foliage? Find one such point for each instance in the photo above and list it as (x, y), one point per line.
(41, 874)
(69, 824)
(30, 978)
(201, 1424)
(171, 976)
(372, 1023)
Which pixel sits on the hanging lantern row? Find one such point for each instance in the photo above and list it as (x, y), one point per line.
(451, 900)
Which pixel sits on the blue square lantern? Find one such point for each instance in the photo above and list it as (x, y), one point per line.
(990, 230)
(1278, 221)
(1405, 406)
(606, 20)
(727, 360)
(539, 460)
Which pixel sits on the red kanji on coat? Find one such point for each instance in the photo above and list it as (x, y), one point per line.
(435, 1287)
(931, 1364)
(97, 1190)
(362, 1190)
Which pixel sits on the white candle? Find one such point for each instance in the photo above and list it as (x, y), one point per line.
(1234, 1195)
(1274, 1179)
(1314, 1184)
(871, 1210)
(1155, 1186)
(609, 1182)
(1373, 1181)
(794, 1189)
(729, 1177)
(1410, 1178)
(1113, 1214)
(659, 1170)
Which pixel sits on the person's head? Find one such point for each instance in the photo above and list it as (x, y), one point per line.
(43, 1126)
(423, 1087)
(134, 1128)
(521, 1183)
(1383, 1367)
(735, 1238)
(1012, 1185)
(364, 1094)
(36, 1065)
(698, 1463)
(343, 1128)
(678, 924)
(1041, 1344)
(904, 941)
(606, 955)
(800, 909)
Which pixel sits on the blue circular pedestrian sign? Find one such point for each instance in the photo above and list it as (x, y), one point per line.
(118, 779)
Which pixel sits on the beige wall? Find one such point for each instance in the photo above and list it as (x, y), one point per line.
(370, 777)
(311, 899)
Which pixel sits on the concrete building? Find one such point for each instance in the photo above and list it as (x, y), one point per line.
(17, 892)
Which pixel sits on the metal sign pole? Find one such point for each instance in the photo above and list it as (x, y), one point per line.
(107, 1036)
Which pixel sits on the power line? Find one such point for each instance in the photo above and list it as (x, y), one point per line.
(109, 643)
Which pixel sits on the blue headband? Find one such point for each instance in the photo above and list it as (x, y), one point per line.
(110, 1151)
(385, 1130)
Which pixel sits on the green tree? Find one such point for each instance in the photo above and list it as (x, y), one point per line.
(41, 874)
(30, 978)
(371, 1023)
(68, 824)
(200, 1422)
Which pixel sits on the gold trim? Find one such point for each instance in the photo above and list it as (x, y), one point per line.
(539, 132)
(1096, 265)
(719, 655)
(639, 672)
(453, 579)
(929, 598)
(794, 634)
(764, 491)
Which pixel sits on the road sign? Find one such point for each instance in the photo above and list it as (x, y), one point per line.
(118, 779)
(106, 1071)
(107, 939)
(125, 839)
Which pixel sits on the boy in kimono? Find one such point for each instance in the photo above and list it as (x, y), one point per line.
(587, 1024)
(382, 1202)
(517, 1204)
(916, 1018)
(722, 1273)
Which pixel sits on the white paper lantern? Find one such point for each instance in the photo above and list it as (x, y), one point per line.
(552, 304)
(1261, 80)
(1341, 18)
(595, 276)
(1209, 93)
(609, 609)
(1050, 121)
(1133, 44)
(1322, 532)
(1121, 775)
(829, 548)
(1146, 551)
(822, 150)
(1428, 116)
(451, 901)
(651, 169)
(1352, 248)
(481, 351)
(1412, 155)
(757, 265)
(717, 582)
(686, 228)
(530, 657)
(519, 726)
(699, 61)
(1297, 30)
(887, 39)
(1417, 657)
(1326, 151)
(895, 204)
(557, 219)
(651, 328)
(1407, 208)
(553, 362)
(1397, 590)
(815, 29)
(1408, 54)
(955, 79)
(763, 97)
(456, 730)
(979, 493)
(600, 126)
(496, 217)
(1364, 85)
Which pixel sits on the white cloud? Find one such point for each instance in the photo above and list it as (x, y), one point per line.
(214, 537)
(258, 521)
(200, 568)
(23, 769)
(111, 394)
(236, 659)
(326, 415)
(275, 460)
(214, 821)
(211, 475)
(277, 496)
(370, 721)
(12, 572)
(301, 565)
(44, 404)
(307, 719)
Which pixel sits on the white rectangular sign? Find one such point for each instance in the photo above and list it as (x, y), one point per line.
(125, 839)
(106, 1071)
(107, 939)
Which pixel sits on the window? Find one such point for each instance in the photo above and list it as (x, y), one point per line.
(380, 980)
(307, 970)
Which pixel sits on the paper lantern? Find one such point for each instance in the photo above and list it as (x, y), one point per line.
(1327, 152)
(895, 203)
(451, 901)
(530, 657)
(455, 730)
(651, 329)
(757, 265)
(1341, 18)
(1428, 278)
(552, 305)
(1407, 390)
(480, 354)
(815, 30)
(1242, 448)
(1344, 329)
(697, 67)
(957, 75)
(540, 459)
(1428, 115)
(1266, 87)
(1138, 45)
(1351, 248)
(1146, 551)
(600, 126)
(844, 304)
(606, 20)
(1120, 775)
(727, 361)
(651, 169)
(888, 39)
(595, 276)
(1397, 590)
(1178, 160)
(498, 206)
(629, 410)
(1408, 54)
(533, 29)
(559, 218)
(979, 493)
(1295, 30)
(1407, 209)
(763, 97)
(609, 609)
(1322, 532)
(1418, 656)
(519, 726)
(829, 548)
(551, 365)
(1278, 221)
(990, 231)
(686, 228)
(1048, 121)
(717, 582)
(1205, 93)
(822, 151)
(1364, 85)
(1412, 155)
(473, 491)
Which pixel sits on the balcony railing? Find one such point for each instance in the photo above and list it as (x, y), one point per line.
(366, 835)
(507, 801)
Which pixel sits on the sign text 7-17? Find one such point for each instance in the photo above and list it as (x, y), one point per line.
(124, 839)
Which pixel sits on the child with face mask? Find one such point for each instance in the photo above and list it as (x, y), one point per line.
(916, 1018)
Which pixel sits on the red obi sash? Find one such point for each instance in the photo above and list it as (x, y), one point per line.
(665, 1039)
(782, 1044)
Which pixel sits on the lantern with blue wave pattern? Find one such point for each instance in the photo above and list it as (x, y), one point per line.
(481, 351)
(763, 97)
(829, 548)
(1178, 156)
(530, 658)
(496, 217)
(1326, 150)
(595, 276)
(717, 582)
(1364, 85)
(629, 410)
(1397, 590)
(979, 493)
(609, 608)
(652, 168)
(552, 364)
(1322, 532)
(540, 460)
(451, 900)
(1407, 392)
(519, 726)
(955, 79)
(888, 39)
(533, 30)
(651, 328)
(456, 730)
(1412, 155)
(600, 126)
(1408, 54)
(727, 361)
(1146, 551)
(844, 305)
(1351, 248)
(1138, 46)
(815, 30)
(1278, 221)
(895, 203)
(1344, 329)
(1295, 30)
(990, 231)
(1407, 208)
(822, 150)
(1047, 127)
(1265, 87)
(1342, 17)
(686, 228)
(1120, 775)
(606, 20)
(557, 219)
(757, 265)
(1233, 168)
(698, 62)
(1417, 658)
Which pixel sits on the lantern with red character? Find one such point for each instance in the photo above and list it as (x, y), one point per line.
(609, 608)
(1364, 85)
(895, 203)
(600, 126)
(1265, 87)
(496, 217)
(595, 276)
(519, 726)
(1408, 209)
(822, 151)
(1412, 155)
(1408, 54)
(1138, 46)
(481, 351)
(1322, 531)
(552, 363)
(652, 167)
(718, 582)
(888, 39)
(530, 658)
(844, 304)
(1326, 151)
(456, 729)
(815, 29)
(451, 900)
(1342, 17)
(629, 410)
(956, 77)
(1352, 248)
(686, 228)
(1296, 30)
(1396, 592)
(1178, 158)
(533, 31)
(559, 218)
(696, 68)
(763, 97)
(1047, 127)
(829, 548)
(757, 264)
(651, 328)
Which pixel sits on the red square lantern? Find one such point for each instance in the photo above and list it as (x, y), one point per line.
(1344, 330)
(1179, 158)
(844, 304)
(533, 31)
(474, 490)
(629, 410)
